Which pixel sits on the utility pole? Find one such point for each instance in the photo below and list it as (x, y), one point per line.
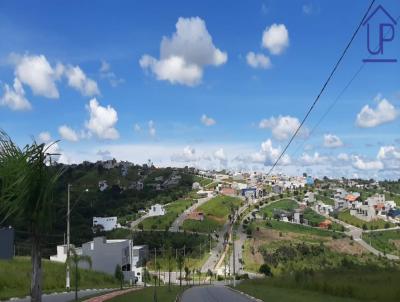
(67, 281)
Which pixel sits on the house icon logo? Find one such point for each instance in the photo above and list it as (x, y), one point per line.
(385, 32)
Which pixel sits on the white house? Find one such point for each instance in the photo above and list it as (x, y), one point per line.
(156, 210)
(196, 186)
(62, 253)
(108, 223)
(103, 185)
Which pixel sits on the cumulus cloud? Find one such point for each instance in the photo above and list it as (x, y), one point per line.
(68, 133)
(152, 128)
(315, 159)
(14, 97)
(258, 60)
(78, 80)
(384, 112)
(184, 55)
(36, 72)
(187, 155)
(388, 152)
(283, 127)
(332, 141)
(220, 154)
(275, 38)
(267, 155)
(102, 120)
(207, 121)
(106, 73)
(137, 127)
(44, 137)
(362, 164)
(104, 154)
(343, 157)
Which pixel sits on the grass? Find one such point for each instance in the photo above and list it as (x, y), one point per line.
(173, 210)
(361, 283)
(216, 212)
(15, 278)
(394, 197)
(325, 199)
(284, 204)
(147, 295)
(375, 224)
(384, 241)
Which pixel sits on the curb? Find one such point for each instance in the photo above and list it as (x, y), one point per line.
(244, 294)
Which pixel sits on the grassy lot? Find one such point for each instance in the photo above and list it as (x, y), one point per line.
(284, 204)
(147, 295)
(15, 278)
(173, 210)
(325, 199)
(314, 219)
(394, 197)
(385, 241)
(216, 212)
(340, 285)
(203, 181)
(376, 224)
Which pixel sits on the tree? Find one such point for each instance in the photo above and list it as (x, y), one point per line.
(27, 182)
(187, 274)
(210, 274)
(119, 275)
(74, 260)
(180, 261)
(265, 269)
(169, 259)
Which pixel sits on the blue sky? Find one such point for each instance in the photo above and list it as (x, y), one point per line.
(91, 74)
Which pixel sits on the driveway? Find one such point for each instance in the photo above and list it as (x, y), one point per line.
(213, 294)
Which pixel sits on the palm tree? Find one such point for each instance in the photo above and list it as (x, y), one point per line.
(27, 182)
(74, 260)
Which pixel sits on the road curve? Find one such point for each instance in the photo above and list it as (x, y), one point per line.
(213, 294)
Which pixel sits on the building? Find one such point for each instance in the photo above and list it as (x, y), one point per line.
(103, 185)
(106, 223)
(6, 243)
(309, 197)
(62, 253)
(199, 216)
(107, 254)
(228, 191)
(156, 210)
(196, 186)
(277, 189)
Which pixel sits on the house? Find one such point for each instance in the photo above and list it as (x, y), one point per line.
(7, 243)
(62, 253)
(228, 191)
(103, 185)
(277, 189)
(309, 197)
(156, 210)
(323, 208)
(107, 254)
(196, 186)
(250, 193)
(109, 164)
(106, 223)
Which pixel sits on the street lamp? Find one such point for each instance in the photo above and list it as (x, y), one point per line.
(68, 278)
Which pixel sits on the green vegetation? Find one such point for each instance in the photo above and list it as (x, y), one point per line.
(385, 241)
(203, 181)
(392, 196)
(375, 224)
(216, 212)
(345, 284)
(284, 204)
(147, 294)
(173, 210)
(15, 278)
(314, 219)
(325, 199)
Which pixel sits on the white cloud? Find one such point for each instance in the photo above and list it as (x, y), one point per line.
(388, 152)
(68, 133)
(152, 129)
(258, 60)
(332, 141)
(275, 38)
(187, 155)
(267, 155)
(383, 113)
(78, 80)
(37, 73)
(106, 73)
(283, 127)
(343, 157)
(207, 121)
(137, 128)
(102, 120)
(44, 137)
(315, 159)
(361, 164)
(184, 55)
(309, 9)
(14, 97)
(220, 154)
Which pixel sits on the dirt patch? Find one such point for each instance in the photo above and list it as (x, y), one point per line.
(346, 246)
(396, 243)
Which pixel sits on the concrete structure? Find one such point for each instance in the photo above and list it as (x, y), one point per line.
(309, 197)
(107, 254)
(6, 243)
(156, 210)
(103, 185)
(62, 253)
(107, 223)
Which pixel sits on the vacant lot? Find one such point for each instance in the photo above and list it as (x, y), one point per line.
(284, 204)
(375, 224)
(216, 212)
(385, 241)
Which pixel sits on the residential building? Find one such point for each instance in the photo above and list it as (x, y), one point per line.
(62, 253)
(103, 185)
(106, 223)
(156, 210)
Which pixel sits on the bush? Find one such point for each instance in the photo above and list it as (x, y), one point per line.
(265, 270)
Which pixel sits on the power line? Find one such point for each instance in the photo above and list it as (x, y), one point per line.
(323, 87)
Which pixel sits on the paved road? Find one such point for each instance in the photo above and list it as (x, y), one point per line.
(63, 297)
(178, 221)
(213, 294)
